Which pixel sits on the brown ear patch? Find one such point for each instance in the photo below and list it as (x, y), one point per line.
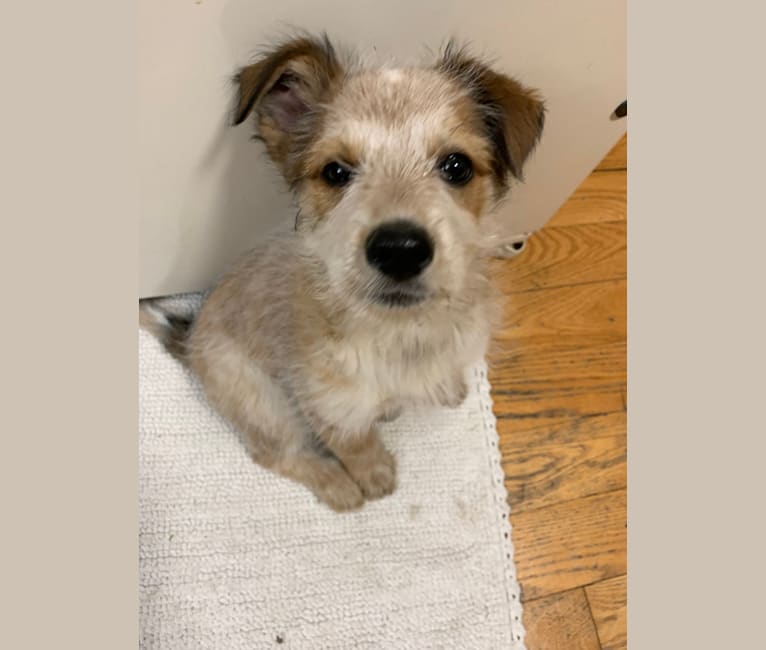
(305, 61)
(282, 87)
(513, 115)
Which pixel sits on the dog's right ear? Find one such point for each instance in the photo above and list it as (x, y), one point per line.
(282, 87)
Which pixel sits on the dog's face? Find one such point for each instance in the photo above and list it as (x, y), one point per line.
(393, 169)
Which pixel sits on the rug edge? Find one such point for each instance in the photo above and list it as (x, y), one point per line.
(503, 509)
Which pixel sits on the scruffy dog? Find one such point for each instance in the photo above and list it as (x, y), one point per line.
(380, 299)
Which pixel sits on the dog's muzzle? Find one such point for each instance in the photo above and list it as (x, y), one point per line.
(399, 249)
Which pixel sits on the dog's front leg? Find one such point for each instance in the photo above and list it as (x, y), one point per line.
(365, 458)
(342, 414)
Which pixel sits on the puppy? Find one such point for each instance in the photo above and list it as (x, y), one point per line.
(380, 299)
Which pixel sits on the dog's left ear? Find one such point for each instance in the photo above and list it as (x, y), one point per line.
(513, 115)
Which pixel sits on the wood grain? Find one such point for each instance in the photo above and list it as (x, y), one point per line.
(617, 158)
(545, 475)
(600, 197)
(559, 344)
(564, 256)
(560, 622)
(558, 372)
(563, 428)
(594, 310)
(608, 602)
(558, 375)
(570, 544)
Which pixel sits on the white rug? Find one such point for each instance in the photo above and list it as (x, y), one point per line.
(234, 557)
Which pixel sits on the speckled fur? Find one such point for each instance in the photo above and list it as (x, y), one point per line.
(291, 346)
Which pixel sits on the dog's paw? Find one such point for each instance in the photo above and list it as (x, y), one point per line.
(339, 491)
(390, 414)
(377, 478)
(454, 393)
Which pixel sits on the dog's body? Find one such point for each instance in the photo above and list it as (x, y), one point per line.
(380, 300)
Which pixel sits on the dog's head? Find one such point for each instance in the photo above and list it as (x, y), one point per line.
(393, 168)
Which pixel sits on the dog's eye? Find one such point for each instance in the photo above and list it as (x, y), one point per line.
(336, 174)
(456, 169)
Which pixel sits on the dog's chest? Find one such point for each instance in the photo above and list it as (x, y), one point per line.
(405, 362)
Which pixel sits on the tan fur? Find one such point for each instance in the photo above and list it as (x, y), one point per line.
(294, 346)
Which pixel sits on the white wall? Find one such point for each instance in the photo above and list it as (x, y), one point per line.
(208, 192)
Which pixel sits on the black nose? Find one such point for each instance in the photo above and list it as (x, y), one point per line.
(399, 249)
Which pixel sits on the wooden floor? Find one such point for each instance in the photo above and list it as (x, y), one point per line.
(558, 373)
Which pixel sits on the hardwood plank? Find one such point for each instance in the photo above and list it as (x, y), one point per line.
(558, 375)
(580, 308)
(554, 334)
(570, 544)
(541, 476)
(608, 602)
(560, 622)
(601, 197)
(558, 372)
(571, 419)
(592, 420)
(617, 158)
(562, 256)
(545, 368)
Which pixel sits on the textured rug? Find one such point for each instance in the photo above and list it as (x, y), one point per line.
(232, 556)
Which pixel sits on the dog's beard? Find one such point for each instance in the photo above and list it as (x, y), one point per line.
(400, 295)
(398, 298)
